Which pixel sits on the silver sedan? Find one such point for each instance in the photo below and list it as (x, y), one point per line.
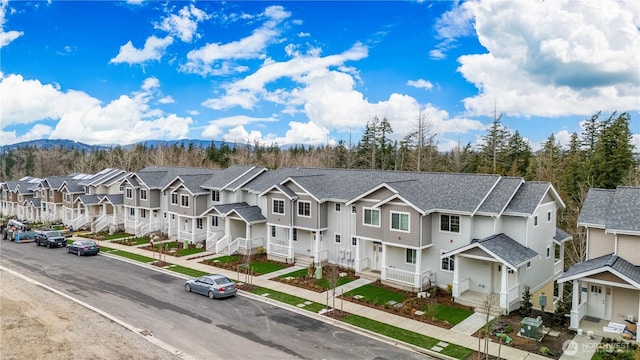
(213, 285)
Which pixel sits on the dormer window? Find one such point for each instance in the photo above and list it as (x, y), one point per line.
(215, 196)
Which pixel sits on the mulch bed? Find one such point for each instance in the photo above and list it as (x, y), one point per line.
(309, 282)
(553, 343)
(233, 265)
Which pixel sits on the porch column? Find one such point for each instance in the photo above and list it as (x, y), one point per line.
(455, 291)
(504, 288)
(193, 231)
(383, 263)
(575, 306)
(357, 256)
(418, 270)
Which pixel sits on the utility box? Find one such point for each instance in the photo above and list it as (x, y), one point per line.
(531, 328)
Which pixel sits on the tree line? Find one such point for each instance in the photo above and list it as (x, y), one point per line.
(601, 156)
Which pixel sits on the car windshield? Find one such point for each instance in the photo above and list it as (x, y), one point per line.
(87, 243)
(53, 233)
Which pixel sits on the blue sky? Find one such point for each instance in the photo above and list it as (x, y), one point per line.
(299, 72)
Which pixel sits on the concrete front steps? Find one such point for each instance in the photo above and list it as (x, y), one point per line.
(477, 301)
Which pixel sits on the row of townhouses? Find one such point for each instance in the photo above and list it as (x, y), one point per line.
(480, 234)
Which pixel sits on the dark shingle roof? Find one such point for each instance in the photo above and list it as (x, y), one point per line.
(224, 177)
(248, 176)
(605, 262)
(615, 210)
(157, 177)
(507, 249)
(528, 197)
(89, 199)
(250, 214)
(499, 198)
(115, 199)
(561, 235)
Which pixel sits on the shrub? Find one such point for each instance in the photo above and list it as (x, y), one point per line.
(526, 306)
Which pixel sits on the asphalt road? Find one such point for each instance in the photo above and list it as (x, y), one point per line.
(233, 328)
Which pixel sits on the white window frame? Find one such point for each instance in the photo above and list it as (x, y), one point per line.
(199, 223)
(143, 213)
(548, 251)
(364, 217)
(274, 231)
(338, 238)
(528, 265)
(128, 193)
(215, 221)
(548, 216)
(411, 255)
(143, 194)
(273, 206)
(184, 201)
(132, 211)
(400, 214)
(174, 198)
(215, 196)
(295, 234)
(450, 260)
(337, 208)
(354, 209)
(306, 205)
(354, 241)
(450, 217)
(535, 221)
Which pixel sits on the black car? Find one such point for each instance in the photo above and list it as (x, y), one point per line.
(50, 238)
(84, 247)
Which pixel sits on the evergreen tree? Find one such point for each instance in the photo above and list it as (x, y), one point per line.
(492, 148)
(518, 154)
(613, 153)
(526, 305)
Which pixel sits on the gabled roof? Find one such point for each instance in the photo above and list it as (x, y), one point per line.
(89, 199)
(157, 177)
(616, 211)
(115, 199)
(227, 176)
(104, 177)
(501, 247)
(611, 262)
(55, 182)
(529, 196)
(250, 214)
(501, 195)
(193, 183)
(35, 202)
(73, 186)
(245, 178)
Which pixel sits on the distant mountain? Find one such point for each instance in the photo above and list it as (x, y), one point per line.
(49, 144)
(70, 144)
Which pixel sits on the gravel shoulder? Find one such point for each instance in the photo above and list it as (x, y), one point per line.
(39, 324)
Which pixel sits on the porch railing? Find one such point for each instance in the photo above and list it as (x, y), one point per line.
(100, 223)
(557, 267)
(233, 246)
(79, 222)
(464, 285)
(402, 276)
(210, 242)
(280, 249)
(222, 243)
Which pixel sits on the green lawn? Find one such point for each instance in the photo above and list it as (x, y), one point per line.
(451, 314)
(423, 341)
(265, 267)
(325, 283)
(167, 245)
(185, 252)
(288, 299)
(116, 236)
(295, 274)
(226, 259)
(376, 294)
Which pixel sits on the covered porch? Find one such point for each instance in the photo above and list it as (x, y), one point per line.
(233, 228)
(488, 269)
(605, 289)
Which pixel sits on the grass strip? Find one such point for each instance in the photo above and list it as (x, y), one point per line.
(288, 299)
(452, 314)
(423, 341)
(187, 271)
(265, 267)
(376, 294)
(295, 274)
(185, 252)
(128, 255)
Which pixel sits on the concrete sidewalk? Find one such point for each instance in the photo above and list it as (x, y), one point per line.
(452, 337)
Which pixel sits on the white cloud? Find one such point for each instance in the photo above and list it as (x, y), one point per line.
(550, 58)
(125, 120)
(184, 25)
(154, 48)
(240, 120)
(420, 84)
(6, 37)
(166, 100)
(239, 135)
(215, 59)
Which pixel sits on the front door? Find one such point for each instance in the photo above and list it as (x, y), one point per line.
(376, 258)
(596, 301)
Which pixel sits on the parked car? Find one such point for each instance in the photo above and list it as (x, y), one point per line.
(83, 247)
(212, 285)
(50, 238)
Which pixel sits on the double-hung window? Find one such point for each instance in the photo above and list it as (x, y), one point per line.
(143, 213)
(410, 256)
(215, 196)
(448, 263)
(174, 198)
(371, 217)
(184, 200)
(338, 238)
(215, 221)
(278, 206)
(450, 223)
(129, 193)
(143, 194)
(400, 221)
(199, 223)
(304, 208)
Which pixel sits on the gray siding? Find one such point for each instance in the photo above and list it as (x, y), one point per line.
(399, 237)
(280, 219)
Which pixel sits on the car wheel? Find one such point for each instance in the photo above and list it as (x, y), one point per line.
(187, 287)
(37, 243)
(211, 294)
(78, 253)
(48, 245)
(69, 250)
